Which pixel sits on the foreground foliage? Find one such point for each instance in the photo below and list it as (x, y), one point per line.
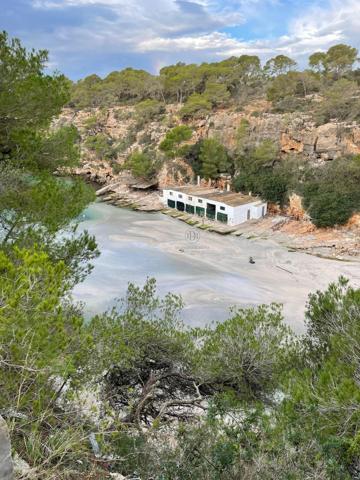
(34, 204)
(246, 399)
(135, 391)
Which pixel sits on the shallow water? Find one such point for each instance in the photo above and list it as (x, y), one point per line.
(211, 273)
(127, 255)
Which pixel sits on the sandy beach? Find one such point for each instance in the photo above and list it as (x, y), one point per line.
(210, 271)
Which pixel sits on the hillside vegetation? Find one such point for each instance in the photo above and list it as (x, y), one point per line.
(134, 391)
(328, 91)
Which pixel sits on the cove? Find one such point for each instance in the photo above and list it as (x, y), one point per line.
(211, 272)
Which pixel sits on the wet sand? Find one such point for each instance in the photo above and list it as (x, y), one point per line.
(211, 272)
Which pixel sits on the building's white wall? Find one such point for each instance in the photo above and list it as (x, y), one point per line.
(256, 211)
(236, 215)
(260, 210)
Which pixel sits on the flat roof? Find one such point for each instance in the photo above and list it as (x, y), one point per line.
(229, 198)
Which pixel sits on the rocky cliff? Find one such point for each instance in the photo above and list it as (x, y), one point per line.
(294, 133)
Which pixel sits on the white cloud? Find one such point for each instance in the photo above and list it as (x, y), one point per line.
(316, 29)
(194, 27)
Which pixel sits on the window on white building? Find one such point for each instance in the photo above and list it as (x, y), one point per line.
(190, 198)
(222, 208)
(200, 201)
(180, 196)
(170, 193)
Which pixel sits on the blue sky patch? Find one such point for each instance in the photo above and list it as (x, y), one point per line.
(99, 36)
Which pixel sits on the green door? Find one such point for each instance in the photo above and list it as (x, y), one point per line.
(200, 211)
(171, 203)
(222, 217)
(190, 208)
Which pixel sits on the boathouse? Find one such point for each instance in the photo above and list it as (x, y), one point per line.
(227, 207)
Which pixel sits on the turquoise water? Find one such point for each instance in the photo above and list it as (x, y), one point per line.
(133, 247)
(211, 273)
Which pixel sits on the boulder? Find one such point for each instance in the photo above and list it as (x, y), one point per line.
(6, 464)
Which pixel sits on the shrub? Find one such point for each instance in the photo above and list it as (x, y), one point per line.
(116, 167)
(214, 159)
(328, 208)
(341, 101)
(149, 109)
(142, 165)
(261, 172)
(174, 138)
(102, 145)
(216, 93)
(332, 194)
(274, 187)
(123, 115)
(196, 106)
(145, 139)
(91, 122)
(289, 104)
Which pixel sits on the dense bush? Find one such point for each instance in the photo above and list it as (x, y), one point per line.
(196, 106)
(262, 172)
(173, 140)
(142, 164)
(341, 102)
(149, 109)
(102, 145)
(331, 193)
(245, 398)
(213, 159)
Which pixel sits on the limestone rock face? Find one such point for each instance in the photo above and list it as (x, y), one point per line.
(6, 464)
(176, 172)
(295, 133)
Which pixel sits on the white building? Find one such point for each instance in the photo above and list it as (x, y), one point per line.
(226, 207)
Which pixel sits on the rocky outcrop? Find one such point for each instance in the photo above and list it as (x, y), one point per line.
(175, 172)
(294, 132)
(6, 464)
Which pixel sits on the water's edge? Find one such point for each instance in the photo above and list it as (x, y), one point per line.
(211, 272)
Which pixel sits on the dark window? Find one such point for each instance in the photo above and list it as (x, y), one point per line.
(170, 193)
(248, 214)
(189, 208)
(263, 211)
(189, 198)
(200, 201)
(222, 208)
(180, 196)
(171, 203)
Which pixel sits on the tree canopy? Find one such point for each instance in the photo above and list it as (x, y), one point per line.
(35, 205)
(134, 391)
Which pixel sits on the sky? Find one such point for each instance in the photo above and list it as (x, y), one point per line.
(100, 36)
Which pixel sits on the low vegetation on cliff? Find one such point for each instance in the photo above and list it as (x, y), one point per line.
(134, 391)
(328, 91)
(233, 81)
